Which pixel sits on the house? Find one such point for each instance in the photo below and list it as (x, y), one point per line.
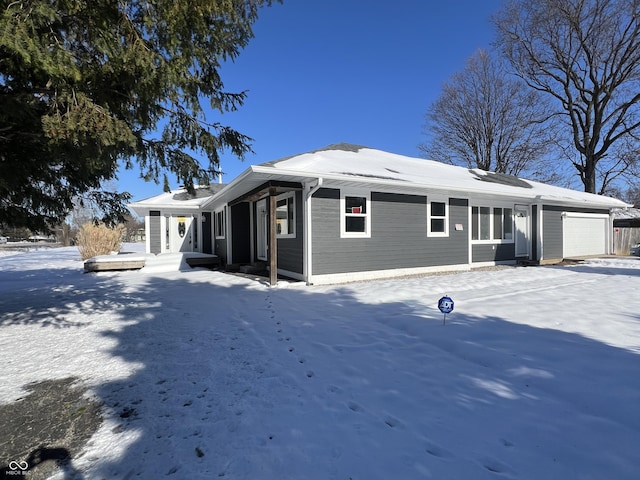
(348, 212)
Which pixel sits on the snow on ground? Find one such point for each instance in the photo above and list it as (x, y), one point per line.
(209, 375)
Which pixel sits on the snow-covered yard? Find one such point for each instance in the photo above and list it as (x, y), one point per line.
(536, 374)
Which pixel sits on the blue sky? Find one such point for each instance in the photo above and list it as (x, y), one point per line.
(320, 72)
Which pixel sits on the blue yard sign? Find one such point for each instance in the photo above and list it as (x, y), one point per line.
(445, 305)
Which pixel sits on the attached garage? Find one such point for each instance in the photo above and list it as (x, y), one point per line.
(585, 234)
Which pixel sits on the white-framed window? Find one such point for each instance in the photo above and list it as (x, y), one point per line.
(437, 218)
(355, 214)
(492, 224)
(286, 215)
(219, 224)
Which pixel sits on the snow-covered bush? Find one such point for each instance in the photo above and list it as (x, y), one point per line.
(94, 240)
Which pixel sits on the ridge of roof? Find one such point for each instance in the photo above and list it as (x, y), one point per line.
(345, 147)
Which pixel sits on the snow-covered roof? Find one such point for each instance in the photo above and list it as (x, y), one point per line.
(180, 198)
(626, 213)
(351, 164)
(345, 161)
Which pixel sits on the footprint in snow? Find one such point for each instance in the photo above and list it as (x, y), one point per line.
(436, 451)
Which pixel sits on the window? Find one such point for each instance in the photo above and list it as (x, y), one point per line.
(355, 220)
(503, 224)
(218, 224)
(489, 224)
(285, 216)
(437, 219)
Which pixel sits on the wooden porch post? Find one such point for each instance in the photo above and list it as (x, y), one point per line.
(273, 240)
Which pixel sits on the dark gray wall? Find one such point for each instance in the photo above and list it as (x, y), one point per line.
(494, 252)
(398, 235)
(155, 232)
(552, 232)
(290, 250)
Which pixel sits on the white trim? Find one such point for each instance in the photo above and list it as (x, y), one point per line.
(343, 215)
(307, 267)
(437, 199)
(493, 264)
(346, 277)
(290, 274)
(527, 208)
(585, 215)
(147, 232)
(540, 232)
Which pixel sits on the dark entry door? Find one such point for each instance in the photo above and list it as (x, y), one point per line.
(207, 245)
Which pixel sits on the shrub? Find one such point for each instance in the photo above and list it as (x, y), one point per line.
(94, 240)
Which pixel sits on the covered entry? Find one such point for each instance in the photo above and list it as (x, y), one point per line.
(585, 234)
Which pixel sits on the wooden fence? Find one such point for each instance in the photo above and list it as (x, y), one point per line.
(624, 238)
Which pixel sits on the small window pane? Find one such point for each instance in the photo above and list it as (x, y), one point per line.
(355, 205)
(497, 223)
(284, 216)
(485, 223)
(508, 224)
(355, 224)
(437, 225)
(438, 209)
(475, 224)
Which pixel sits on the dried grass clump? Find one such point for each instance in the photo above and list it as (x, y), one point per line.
(94, 240)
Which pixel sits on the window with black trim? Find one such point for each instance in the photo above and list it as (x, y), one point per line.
(285, 216)
(218, 224)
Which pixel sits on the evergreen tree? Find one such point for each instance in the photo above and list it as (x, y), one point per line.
(85, 85)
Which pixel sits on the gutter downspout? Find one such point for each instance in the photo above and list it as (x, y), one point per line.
(310, 189)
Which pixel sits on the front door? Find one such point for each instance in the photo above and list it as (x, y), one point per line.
(262, 233)
(182, 234)
(522, 230)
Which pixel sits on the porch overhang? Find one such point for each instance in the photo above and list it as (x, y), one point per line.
(271, 187)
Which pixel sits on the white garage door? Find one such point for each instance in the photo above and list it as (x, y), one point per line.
(584, 234)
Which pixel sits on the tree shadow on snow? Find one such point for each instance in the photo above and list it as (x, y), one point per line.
(239, 380)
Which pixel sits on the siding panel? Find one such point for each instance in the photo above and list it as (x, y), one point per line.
(398, 235)
(290, 250)
(155, 232)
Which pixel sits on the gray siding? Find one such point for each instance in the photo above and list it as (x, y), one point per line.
(290, 250)
(398, 235)
(155, 232)
(552, 232)
(496, 252)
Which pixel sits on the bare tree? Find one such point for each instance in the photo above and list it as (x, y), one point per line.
(585, 54)
(487, 119)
